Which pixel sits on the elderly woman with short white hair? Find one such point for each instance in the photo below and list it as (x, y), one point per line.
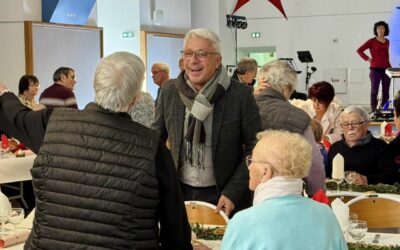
(281, 218)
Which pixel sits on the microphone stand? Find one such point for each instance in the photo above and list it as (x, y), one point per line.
(308, 76)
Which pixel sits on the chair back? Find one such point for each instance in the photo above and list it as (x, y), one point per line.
(380, 211)
(344, 196)
(204, 213)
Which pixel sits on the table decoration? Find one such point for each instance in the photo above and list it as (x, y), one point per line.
(364, 246)
(208, 233)
(338, 170)
(378, 188)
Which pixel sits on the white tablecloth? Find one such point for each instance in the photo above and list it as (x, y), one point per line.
(13, 169)
(384, 239)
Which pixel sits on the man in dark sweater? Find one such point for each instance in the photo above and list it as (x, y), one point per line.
(358, 147)
(101, 180)
(246, 71)
(60, 93)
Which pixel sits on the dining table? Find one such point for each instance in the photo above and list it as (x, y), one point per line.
(15, 169)
(385, 239)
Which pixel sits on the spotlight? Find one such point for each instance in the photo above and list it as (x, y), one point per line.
(239, 22)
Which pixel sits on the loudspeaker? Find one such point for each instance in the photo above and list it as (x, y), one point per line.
(158, 17)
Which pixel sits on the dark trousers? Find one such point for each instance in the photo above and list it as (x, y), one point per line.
(376, 76)
(206, 194)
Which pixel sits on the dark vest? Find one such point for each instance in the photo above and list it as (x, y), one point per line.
(277, 113)
(95, 183)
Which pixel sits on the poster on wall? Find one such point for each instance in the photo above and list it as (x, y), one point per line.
(338, 78)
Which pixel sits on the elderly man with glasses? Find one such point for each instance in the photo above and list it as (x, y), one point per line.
(358, 147)
(211, 123)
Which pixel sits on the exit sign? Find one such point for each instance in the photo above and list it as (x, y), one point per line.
(127, 34)
(255, 34)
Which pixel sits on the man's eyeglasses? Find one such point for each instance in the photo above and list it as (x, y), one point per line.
(352, 124)
(200, 55)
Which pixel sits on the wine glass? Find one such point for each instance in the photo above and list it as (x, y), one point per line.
(357, 230)
(352, 217)
(17, 215)
(337, 181)
(4, 215)
(350, 177)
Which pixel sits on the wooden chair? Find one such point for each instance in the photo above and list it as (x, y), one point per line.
(204, 213)
(379, 210)
(344, 196)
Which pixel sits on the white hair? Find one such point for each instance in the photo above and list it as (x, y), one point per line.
(289, 153)
(118, 80)
(278, 75)
(357, 110)
(205, 34)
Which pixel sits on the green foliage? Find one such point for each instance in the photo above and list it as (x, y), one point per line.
(205, 233)
(378, 188)
(363, 246)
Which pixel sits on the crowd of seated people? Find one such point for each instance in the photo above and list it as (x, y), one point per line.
(211, 122)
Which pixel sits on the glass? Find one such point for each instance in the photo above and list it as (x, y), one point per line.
(350, 177)
(352, 124)
(200, 55)
(17, 215)
(4, 215)
(337, 181)
(353, 216)
(357, 230)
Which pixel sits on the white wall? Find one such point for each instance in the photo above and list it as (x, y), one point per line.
(331, 30)
(176, 15)
(12, 47)
(210, 14)
(116, 17)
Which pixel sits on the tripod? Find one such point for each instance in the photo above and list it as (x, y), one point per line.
(308, 74)
(305, 57)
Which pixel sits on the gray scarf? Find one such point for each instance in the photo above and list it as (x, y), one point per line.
(200, 105)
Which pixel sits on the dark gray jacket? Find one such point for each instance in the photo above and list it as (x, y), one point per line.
(236, 121)
(277, 113)
(101, 181)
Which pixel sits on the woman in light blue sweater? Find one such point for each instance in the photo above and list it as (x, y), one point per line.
(281, 218)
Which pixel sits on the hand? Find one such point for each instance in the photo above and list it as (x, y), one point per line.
(261, 86)
(2, 88)
(225, 205)
(360, 180)
(369, 60)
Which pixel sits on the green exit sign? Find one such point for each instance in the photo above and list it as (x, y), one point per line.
(255, 34)
(127, 34)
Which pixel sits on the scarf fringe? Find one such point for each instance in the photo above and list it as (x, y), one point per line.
(195, 155)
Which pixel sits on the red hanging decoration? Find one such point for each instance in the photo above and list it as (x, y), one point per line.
(239, 4)
(276, 3)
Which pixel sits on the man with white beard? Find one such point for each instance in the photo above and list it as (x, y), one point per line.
(358, 147)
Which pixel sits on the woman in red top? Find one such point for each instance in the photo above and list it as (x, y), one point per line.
(379, 62)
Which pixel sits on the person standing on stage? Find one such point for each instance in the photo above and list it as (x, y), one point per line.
(379, 62)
